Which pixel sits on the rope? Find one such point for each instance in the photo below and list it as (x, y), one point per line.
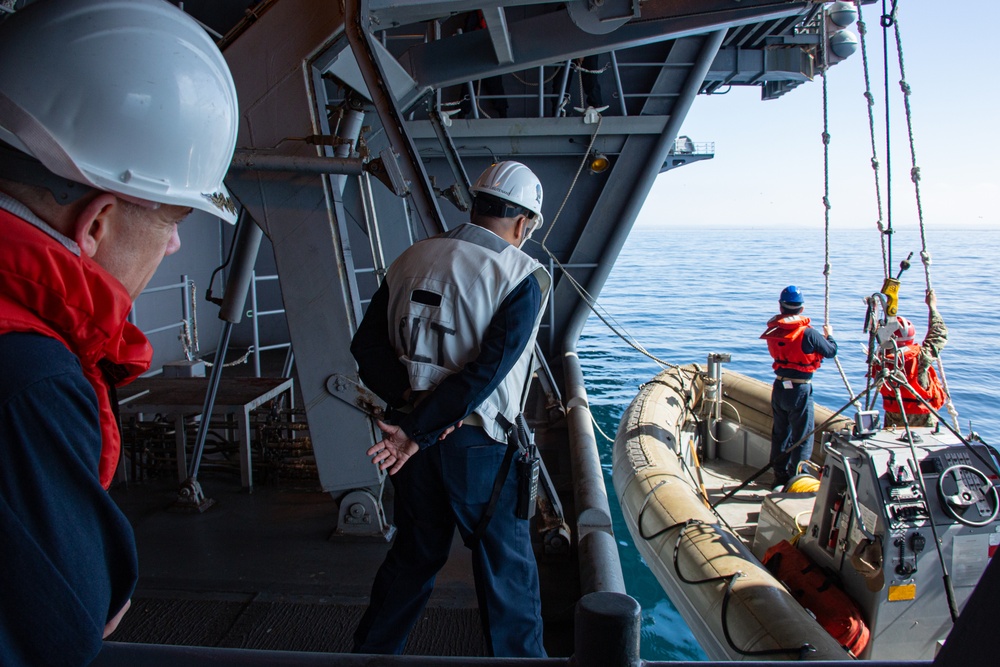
(826, 226)
(235, 362)
(583, 163)
(593, 305)
(529, 83)
(925, 257)
(870, 99)
(189, 329)
(587, 298)
(597, 427)
(885, 21)
(730, 579)
(616, 328)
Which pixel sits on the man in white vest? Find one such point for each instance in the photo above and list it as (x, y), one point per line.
(447, 342)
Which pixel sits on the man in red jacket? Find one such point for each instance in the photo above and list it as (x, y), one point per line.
(102, 154)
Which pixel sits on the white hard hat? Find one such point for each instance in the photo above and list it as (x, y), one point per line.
(512, 182)
(133, 98)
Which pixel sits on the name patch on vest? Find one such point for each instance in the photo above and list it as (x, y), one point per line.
(426, 298)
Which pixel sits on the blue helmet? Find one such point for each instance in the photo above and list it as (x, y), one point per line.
(791, 297)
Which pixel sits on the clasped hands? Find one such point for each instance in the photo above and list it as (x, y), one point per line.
(396, 447)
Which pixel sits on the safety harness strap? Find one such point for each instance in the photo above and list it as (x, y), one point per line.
(508, 456)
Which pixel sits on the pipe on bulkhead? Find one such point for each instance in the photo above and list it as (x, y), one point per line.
(245, 248)
(600, 565)
(256, 160)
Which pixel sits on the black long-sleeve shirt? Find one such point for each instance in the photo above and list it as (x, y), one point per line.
(460, 393)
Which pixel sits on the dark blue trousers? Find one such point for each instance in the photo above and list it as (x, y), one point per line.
(443, 486)
(793, 419)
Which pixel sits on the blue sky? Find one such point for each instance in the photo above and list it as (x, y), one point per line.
(768, 165)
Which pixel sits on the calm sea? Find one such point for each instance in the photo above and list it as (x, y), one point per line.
(686, 293)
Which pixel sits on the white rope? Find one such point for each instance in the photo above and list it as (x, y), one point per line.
(189, 329)
(583, 163)
(235, 362)
(587, 298)
(826, 229)
(870, 99)
(605, 317)
(925, 257)
(598, 426)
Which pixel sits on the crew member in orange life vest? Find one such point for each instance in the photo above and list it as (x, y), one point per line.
(798, 350)
(917, 366)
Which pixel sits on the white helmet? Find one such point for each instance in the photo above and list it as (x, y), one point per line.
(133, 98)
(512, 182)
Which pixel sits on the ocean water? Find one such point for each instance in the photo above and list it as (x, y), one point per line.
(684, 293)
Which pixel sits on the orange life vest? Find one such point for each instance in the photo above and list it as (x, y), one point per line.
(933, 394)
(784, 342)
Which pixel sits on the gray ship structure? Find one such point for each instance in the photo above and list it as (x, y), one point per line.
(261, 525)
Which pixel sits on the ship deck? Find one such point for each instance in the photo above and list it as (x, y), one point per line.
(264, 570)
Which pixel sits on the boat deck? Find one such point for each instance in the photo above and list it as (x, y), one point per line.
(742, 511)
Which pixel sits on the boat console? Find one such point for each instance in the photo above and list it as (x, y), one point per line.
(901, 523)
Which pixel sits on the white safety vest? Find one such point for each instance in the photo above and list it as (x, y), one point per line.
(443, 294)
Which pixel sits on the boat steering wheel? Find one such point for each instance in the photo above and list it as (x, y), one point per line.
(967, 494)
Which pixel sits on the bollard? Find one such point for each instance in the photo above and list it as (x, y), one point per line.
(607, 630)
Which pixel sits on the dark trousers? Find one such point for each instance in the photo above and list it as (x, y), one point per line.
(443, 486)
(793, 419)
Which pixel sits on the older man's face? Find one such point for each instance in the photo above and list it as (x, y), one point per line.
(138, 240)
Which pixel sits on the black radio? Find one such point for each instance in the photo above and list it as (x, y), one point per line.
(527, 482)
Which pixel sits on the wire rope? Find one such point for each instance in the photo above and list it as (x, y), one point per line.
(580, 290)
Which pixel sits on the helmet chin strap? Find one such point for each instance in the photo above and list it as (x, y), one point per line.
(22, 168)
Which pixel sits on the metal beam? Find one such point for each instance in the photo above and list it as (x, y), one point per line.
(496, 26)
(393, 13)
(614, 238)
(302, 217)
(468, 56)
(357, 25)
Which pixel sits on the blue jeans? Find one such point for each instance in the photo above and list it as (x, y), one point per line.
(443, 486)
(793, 419)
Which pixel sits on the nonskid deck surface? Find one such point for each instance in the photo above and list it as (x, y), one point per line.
(261, 571)
(742, 511)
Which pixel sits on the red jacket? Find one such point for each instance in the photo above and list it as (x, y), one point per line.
(933, 393)
(47, 289)
(784, 342)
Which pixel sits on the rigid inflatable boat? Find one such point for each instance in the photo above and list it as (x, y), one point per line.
(832, 565)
